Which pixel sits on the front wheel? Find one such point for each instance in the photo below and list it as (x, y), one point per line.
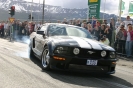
(31, 53)
(45, 59)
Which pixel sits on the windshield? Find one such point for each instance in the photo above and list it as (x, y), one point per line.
(55, 30)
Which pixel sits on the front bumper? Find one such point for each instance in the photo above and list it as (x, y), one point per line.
(80, 64)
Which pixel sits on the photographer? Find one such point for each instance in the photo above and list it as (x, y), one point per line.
(105, 40)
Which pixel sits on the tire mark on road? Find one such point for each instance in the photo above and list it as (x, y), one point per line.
(39, 75)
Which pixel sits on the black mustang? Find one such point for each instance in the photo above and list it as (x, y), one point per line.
(67, 47)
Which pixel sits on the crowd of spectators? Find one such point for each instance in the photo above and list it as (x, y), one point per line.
(118, 34)
(18, 28)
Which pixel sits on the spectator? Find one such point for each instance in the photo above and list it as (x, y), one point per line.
(102, 30)
(122, 40)
(88, 21)
(105, 40)
(2, 29)
(129, 40)
(71, 22)
(89, 26)
(74, 21)
(112, 24)
(118, 23)
(6, 27)
(65, 21)
(78, 23)
(93, 23)
(85, 25)
(96, 32)
(105, 22)
(127, 21)
(58, 21)
(108, 33)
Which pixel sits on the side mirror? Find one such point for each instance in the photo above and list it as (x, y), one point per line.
(40, 32)
(94, 37)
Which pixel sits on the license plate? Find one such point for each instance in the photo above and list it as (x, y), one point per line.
(92, 62)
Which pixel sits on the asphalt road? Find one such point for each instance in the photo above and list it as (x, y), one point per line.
(17, 70)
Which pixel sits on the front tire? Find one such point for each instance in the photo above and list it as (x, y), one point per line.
(45, 59)
(31, 53)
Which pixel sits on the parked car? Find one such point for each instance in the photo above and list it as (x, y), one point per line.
(67, 47)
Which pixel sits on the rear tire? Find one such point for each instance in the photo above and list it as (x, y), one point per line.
(45, 59)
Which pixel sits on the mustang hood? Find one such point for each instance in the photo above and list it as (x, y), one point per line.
(80, 42)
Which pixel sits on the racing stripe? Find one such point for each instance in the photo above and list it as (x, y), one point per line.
(93, 43)
(82, 43)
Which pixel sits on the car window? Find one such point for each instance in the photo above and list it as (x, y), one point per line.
(54, 30)
(72, 31)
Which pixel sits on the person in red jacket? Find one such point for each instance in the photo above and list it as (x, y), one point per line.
(129, 40)
(0, 29)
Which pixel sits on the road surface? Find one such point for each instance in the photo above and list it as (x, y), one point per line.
(17, 70)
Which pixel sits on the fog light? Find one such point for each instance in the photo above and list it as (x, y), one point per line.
(113, 62)
(58, 58)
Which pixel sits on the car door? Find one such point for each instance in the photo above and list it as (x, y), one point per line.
(40, 40)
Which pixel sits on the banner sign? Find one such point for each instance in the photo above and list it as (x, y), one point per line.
(94, 8)
(130, 11)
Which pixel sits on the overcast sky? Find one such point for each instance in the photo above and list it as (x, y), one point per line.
(111, 6)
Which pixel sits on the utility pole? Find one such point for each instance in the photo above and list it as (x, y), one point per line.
(104, 8)
(120, 7)
(43, 12)
(31, 9)
(39, 11)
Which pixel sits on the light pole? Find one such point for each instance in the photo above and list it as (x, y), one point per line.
(104, 8)
(43, 12)
(39, 11)
(31, 9)
(120, 7)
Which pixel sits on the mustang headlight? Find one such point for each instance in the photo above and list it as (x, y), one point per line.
(61, 50)
(76, 51)
(103, 53)
(112, 55)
